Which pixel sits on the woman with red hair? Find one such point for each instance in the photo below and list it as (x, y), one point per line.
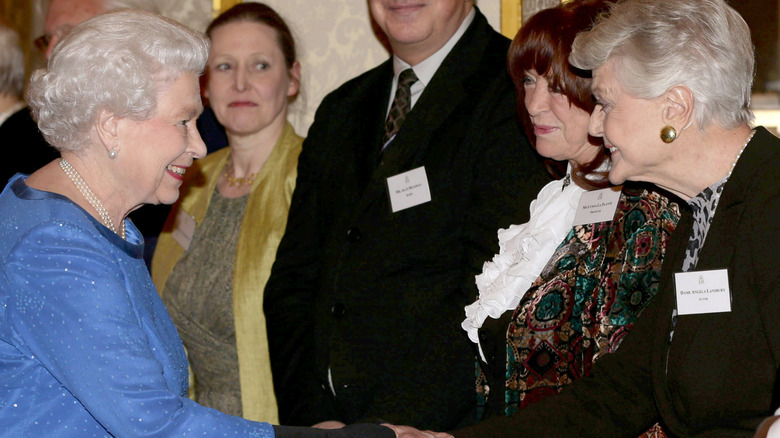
(563, 291)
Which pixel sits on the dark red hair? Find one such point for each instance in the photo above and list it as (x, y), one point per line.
(543, 44)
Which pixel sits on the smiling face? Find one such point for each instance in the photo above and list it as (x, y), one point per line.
(561, 129)
(248, 81)
(155, 153)
(418, 28)
(630, 128)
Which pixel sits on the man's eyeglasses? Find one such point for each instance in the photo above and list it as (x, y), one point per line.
(43, 41)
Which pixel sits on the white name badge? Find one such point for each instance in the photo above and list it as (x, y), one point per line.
(408, 189)
(183, 229)
(597, 206)
(700, 292)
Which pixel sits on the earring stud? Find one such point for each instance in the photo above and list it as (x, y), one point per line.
(668, 134)
(113, 153)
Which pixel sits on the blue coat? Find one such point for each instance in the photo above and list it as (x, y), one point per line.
(86, 345)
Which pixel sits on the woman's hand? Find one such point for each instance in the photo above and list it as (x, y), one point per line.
(410, 432)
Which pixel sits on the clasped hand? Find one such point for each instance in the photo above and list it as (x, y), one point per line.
(410, 432)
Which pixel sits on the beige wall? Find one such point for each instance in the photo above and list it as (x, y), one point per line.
(194, 13)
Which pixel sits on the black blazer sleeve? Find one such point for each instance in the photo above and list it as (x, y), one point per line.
(290, 291)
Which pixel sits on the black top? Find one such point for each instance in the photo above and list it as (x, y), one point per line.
(23, 147)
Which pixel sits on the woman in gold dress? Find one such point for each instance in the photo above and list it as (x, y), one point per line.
(216, 250)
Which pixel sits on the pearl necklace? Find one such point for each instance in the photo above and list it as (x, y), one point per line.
(90, 196)
(734, 164)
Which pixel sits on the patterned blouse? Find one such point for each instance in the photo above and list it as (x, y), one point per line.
(587, 298)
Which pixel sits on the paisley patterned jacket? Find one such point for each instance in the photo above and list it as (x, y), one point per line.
(587, 298)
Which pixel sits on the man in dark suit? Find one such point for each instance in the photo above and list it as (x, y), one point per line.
(24, 149)
(389, 225)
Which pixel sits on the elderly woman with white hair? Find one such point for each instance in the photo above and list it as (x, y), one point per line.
(673, 82)
(86, 345)
(24, 149)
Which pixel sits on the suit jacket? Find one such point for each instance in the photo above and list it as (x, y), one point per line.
(372, 299)
(718, 375)
(86, 345)
(262, 227)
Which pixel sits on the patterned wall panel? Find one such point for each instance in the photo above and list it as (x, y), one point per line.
(194, 13)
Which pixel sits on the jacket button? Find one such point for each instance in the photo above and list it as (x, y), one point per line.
(353, 234)
(337, 310)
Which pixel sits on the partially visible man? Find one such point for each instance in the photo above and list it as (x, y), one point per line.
(63, 15)
(23, 147)
(406, 174)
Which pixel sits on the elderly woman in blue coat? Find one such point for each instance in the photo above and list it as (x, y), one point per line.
(86, 346)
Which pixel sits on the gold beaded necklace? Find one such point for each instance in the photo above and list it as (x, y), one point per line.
(237, 181)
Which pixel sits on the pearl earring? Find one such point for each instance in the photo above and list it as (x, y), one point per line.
(113, 153)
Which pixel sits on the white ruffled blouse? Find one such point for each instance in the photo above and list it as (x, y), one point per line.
(524, 251)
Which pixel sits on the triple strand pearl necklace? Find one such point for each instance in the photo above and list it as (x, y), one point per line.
(91, 198)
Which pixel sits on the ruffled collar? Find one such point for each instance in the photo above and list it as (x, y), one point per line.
(524, 251)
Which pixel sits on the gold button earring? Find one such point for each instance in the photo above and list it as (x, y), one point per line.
(668, 134)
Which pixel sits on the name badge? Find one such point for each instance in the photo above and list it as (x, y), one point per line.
(408, 189)
(700, 292)
(183, 229)
(597, 206)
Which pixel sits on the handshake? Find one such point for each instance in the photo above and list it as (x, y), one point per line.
(400, 431)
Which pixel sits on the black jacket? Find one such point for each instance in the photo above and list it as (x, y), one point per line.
(24, 149)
